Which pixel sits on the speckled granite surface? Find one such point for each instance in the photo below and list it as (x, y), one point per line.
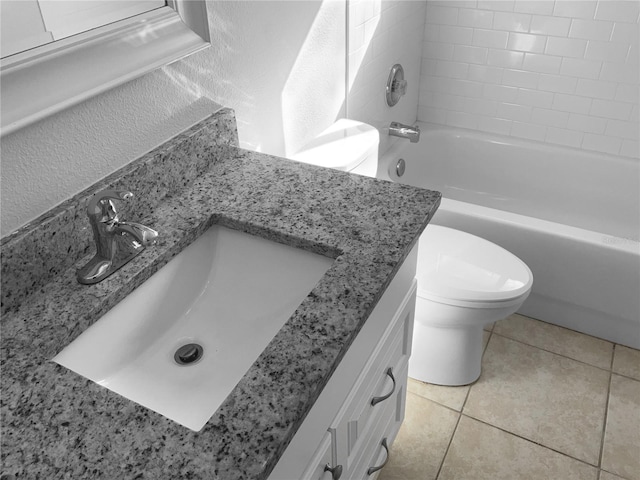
(64, 230)
(56, 424)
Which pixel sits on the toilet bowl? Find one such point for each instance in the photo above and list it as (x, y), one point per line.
(464, 281)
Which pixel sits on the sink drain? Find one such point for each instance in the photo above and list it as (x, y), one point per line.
(188, 354)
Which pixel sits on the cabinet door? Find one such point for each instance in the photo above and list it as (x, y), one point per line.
(321, 466)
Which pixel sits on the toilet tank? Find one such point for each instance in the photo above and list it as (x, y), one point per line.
(346, 145)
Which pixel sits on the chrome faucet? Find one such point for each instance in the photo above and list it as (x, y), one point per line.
(405, 131)
(117, 242)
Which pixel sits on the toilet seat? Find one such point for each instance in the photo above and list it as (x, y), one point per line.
(457, 268)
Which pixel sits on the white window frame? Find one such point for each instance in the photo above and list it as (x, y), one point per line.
(48, 79)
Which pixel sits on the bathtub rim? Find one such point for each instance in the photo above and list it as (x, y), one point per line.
(568, 232)
(387, 164)
(427, 128)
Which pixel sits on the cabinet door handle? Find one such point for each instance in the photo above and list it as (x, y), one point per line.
(376, 400)
(336, 472)
(372, 470)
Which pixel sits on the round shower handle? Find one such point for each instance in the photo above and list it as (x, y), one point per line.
(396, 85)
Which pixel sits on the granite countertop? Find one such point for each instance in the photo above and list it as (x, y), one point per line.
(57, 424)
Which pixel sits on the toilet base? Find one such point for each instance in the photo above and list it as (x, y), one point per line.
(446, 355)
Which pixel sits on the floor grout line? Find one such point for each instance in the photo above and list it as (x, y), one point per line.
(563, 328)
(532, 441)
(625, 376)
(559, 354)
(604, 421)
(613, 357)
(609, 369)
(444, 457)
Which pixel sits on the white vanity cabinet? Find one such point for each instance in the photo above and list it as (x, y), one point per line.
(349, 430)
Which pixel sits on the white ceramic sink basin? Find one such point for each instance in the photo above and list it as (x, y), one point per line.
(228, 292)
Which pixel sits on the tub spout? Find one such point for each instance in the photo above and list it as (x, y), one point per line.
(405, 131)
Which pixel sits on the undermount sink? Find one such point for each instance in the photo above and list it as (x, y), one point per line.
(182, 340)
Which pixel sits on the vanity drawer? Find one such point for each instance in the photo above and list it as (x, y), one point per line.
(382, 390)
(375, 453)
(375, 388)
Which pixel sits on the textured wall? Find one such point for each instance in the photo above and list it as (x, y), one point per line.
(257, 48)
(381, 34)
(562, 72)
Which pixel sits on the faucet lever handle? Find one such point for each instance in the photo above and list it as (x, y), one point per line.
(102, 208)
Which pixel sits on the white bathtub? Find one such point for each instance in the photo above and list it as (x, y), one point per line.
(572, 216)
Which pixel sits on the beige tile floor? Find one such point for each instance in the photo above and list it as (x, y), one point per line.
(551, 403)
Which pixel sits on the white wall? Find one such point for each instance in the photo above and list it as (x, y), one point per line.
(381, 34)
(21, 26)
(562, 72)
(262, 52)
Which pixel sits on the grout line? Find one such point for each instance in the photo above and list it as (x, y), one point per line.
(556, 353)
(435, 401)
(484, 348)
(613, 356)
(532, 441)
(613, 352)
(466, 397)
(604, 421)
(626, 376)
(562, 328)
(453, 434)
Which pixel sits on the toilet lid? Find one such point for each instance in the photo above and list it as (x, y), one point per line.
(458, 266)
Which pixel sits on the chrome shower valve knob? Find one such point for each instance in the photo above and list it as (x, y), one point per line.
(396, 85)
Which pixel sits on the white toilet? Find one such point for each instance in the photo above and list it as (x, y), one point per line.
(464, 281)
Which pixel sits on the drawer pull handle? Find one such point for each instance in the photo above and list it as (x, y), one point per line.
(376, 400)
(336, 472)
(372, 470)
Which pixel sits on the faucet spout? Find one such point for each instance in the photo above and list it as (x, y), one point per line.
(397, 129)
(117, 242)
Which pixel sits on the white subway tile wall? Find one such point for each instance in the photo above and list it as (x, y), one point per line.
(564, 72)
(383, 33)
